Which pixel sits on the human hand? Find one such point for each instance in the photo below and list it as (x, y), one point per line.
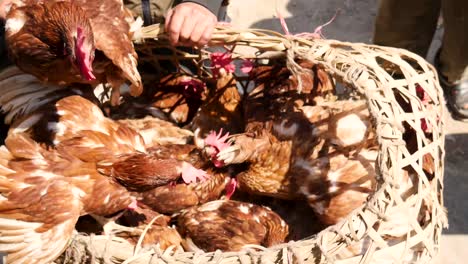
(190, 24)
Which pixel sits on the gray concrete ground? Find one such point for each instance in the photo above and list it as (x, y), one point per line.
(355, 23)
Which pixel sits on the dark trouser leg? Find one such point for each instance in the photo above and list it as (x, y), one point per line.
(454, 51)
(452, 59)
(407, 24)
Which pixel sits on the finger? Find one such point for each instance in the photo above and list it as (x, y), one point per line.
(188, 27)
(198, 31)
(206, 36)
(175, 26)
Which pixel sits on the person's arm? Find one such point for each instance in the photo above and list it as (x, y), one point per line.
(214, 8)
(191, 22)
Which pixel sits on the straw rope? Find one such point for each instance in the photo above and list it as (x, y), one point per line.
(388, 79)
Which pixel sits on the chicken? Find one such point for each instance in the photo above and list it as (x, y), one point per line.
(170, 199)
(297, 214)
(79, 41)
(300, 146)
(174, 97)
(158, 166)
(78, 127)
(339, 174)
(179, 96)
(159, 232)
(274, 127)
(76, 138)
(42, 195)
(410, 136)
(229, 225)
(22, 94)
(222, 110)
(337, 184)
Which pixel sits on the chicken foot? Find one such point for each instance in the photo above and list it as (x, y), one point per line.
(110, 227)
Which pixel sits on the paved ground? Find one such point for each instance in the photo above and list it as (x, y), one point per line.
(355, 23)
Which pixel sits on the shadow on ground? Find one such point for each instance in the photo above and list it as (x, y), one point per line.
(354, 21)
(456, 183)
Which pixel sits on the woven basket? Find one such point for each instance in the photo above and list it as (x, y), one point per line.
(388, 79)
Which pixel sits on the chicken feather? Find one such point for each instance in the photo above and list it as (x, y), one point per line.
(62, 169)
(56, 41)
(298, 146)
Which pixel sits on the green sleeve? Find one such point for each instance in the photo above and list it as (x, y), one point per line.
(213, 8)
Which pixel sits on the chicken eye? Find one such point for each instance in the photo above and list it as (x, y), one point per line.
(66, 50)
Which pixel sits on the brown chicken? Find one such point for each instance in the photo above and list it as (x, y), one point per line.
(174, 97)
(274, 127)
(77, 41)
(179, 96)
(78, 127)
(340, 174)
(21, 94)
(221, 110)
(159, 165)
(230, 226)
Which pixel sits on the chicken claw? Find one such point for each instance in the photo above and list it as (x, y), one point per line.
(110, 227)
(108, 224)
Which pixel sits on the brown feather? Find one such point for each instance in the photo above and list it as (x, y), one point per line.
(145, 171)
(171, 199)
(230, 225)
(46, 42)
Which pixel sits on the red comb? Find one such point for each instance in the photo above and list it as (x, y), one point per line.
(193, 86)
(220, 60)
(422, 94)
(83, 57)
(217, 140)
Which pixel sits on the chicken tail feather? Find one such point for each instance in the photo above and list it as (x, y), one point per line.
(21, 93)
(29, 231)
(22, 243)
